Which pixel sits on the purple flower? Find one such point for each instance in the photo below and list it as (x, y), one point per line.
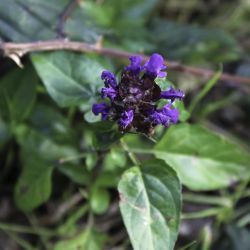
(126, 118)
(135, 65)
(109, 79)
(165, 116)
(108, 92)
(133, 100)
(155, 65)
(172, 94)
(101, 108)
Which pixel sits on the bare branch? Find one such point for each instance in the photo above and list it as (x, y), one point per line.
(21, 49)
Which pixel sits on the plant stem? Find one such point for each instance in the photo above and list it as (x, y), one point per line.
(201, 214)
(131, 154)
(26, 229)
(205, 199)
(207, 87)
(23, 243)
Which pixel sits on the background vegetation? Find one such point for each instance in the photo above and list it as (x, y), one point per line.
(60, 166)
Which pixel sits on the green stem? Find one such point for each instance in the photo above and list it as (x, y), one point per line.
(23, 243)
(204, 199)
(188, 245)
(208, 86)
(244, 221)
(131, 154)
(201, 214)
(73, 158)
(240, 191)
(26, 229)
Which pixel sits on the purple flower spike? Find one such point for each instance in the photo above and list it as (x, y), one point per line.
(109, 79)
(126, 118)
(135, 65)
(172, 94)
(155, 65)
(101, 108)
(133, 101)
(108, 92)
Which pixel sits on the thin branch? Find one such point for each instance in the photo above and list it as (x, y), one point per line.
(17, 50)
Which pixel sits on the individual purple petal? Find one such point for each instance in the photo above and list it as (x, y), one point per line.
(172, 113)
(126, 118)
(172, 94)
(165, 116)
(155, 65)
(101, 108)
(135, 65)
(109, 79)
(109, 92)
(157, 118)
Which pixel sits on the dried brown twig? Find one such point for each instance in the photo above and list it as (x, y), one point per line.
(16, 50)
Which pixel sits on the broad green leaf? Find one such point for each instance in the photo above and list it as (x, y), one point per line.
(70, 78)
(88, 240)
(39, 156)
(234, 238)
(113, 13)
(38, 20)
(50, 122)
(34, 185)
(151, 205)
(202, 159)
(18, 93)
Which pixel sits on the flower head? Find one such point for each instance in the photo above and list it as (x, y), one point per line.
(133, 101)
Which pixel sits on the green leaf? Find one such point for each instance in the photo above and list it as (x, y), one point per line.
(91, 160)
(99, 200)
(70, 78)
(76, 173)
(115, 159)
(194, 44)
(49, 121)
(151, 205)
(234, 238)
(34, 185)
(18, 94)
(39, 155)
(202, 159)
(88, 240)
(38, 20)
(4, 133)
